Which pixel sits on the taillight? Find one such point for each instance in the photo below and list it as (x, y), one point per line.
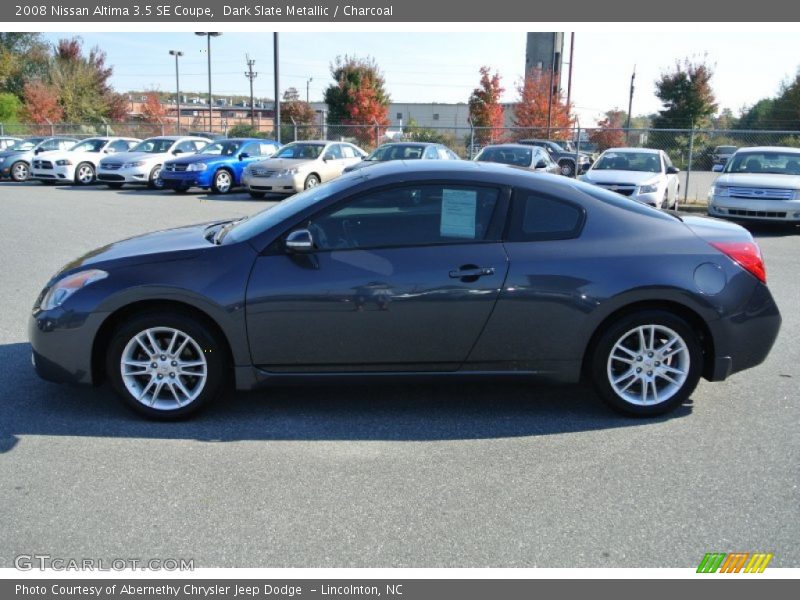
(747, 255)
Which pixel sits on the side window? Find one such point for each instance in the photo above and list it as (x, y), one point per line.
(186, 146)
(118, 146)
(348, 151)
(335, 151)
(198, 145)
(50, 145)
(667, 161)
(407, 216)
(538, 217)
(430, 152)
(66, 144)
(267, 149)
(253, 149)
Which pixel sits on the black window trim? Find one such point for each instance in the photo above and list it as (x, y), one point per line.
(513, 231)
(494, 233)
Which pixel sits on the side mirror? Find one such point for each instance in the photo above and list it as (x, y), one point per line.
(38, 150)
(300, 241)
(673, 170)
(540, 165)
(177, 151)
(244, 155)
(583, 168)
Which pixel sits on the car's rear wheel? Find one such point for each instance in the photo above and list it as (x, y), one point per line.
(84, 174)
(114, 186)
(20, 171)
(223, 182)
(647, 363)
(154, 181)
(257, 195)
(165, 365)
(312, 181)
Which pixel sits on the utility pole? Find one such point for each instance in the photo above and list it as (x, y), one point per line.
(550, 94)
(630, 107)
(308, 87)
(571, 59)
(250, 74)
(209, 35)
(277, 89)
(177, 54)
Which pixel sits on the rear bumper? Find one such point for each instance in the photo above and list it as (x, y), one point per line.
(744, 340)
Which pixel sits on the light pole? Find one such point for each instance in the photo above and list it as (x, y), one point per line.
(277, 88)
(177, 54)
(630, 108)
(308, 86)
(209, 35)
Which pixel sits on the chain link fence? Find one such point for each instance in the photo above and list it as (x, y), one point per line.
(695, 152)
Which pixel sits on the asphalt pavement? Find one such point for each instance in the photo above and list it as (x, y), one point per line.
(508, 475)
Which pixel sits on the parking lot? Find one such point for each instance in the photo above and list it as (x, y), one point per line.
(508, 475)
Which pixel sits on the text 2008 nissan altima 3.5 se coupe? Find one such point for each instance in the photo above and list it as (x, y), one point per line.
(440, 269)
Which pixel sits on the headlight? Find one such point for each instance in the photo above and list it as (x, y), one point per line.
(285, 172)
(648, 189)
(719, 191)
(63, 162)
(65, 287)
(136, 163)
(198, 166)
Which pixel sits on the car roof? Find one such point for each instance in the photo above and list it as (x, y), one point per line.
(509, 145)
(631, 149)
(410, 143)
(769, 149)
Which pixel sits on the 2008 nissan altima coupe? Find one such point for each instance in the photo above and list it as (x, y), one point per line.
(443, 269)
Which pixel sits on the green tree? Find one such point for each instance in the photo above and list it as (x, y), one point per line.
(23, 58)
(10, 107)
(303, 114)
(687, 96)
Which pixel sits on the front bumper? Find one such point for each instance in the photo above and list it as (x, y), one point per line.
(129, 175)
(787, 211)
(182, 180)
(288, 184)
(64, 173)
(61, 345)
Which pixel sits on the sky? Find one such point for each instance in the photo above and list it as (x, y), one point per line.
(443, 67)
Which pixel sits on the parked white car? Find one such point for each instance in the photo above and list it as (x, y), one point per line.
(761, 184)
(641, 173)
(299, 166)
(77, 165)
(142, 164)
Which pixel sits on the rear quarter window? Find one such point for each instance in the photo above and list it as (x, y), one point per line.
(535, 217)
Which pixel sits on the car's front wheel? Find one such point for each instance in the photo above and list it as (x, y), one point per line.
(647, 363)
(223, 182)
(84, 174)
(165, 365)
(312, 181)
(155, 182)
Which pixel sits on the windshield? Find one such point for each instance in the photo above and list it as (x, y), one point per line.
(227, 148)
(28, 144)
(307, 151)
(154, 146)
(645, 162)
(771, 163)
(396, 152)
(507, 155)
(90, 145)
(283, 211)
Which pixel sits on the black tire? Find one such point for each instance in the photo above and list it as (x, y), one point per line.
(206, 341)
(115, 186)
(154, 181)
(223, 182)
(47, 182)
(311, 181)
(180, 190)
(20, 171)
(567, 168)
(257, 195)
(81, 171)
(602, 368)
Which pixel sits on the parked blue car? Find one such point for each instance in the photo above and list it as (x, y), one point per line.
(217, 167)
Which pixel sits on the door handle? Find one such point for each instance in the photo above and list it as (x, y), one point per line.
(471, 272)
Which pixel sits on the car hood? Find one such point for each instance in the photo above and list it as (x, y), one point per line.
(158, 246)
(612, 176)
(7, 153)
(202, 158)
(130, 156)
(59, 154)
(364, 163)
(284, 163)
(759, 180)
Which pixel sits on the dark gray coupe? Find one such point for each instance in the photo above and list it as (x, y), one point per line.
(437, 269)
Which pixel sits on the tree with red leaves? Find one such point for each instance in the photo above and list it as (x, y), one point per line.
(610, 133)
(41, 103)
(535, 103)
(358, 98)
(485, 110)
(153, 111)
(303, 115)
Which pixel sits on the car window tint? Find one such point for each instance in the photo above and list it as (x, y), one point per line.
(407, 216)
(335, 151)
(348, 151)
(430, 153)
(539, 217)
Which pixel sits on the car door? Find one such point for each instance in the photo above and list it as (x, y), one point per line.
(349, 155)
(401, 279)
(332, 162)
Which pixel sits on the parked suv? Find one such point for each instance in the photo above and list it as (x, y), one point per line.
(760, 184)
(15, 162)
(563, 157)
